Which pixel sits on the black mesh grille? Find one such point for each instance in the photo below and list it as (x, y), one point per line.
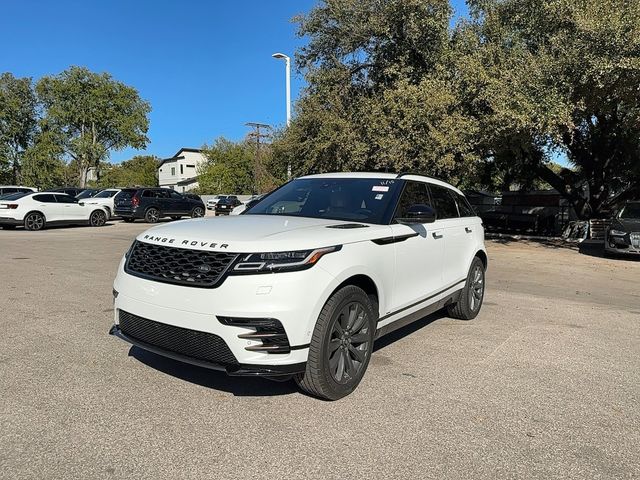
(191, 343)
(196, 268)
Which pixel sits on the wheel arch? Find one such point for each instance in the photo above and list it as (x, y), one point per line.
(34, 211)
(482, 255)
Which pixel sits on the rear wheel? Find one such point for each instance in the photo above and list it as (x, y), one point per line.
(152, 215)
(341, 345)
(98, 218)
(197, 212)
(34, 221)
(472, 295)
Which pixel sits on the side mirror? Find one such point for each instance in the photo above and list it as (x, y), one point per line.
(419, 213)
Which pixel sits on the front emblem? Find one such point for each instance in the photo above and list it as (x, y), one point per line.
(204, 268)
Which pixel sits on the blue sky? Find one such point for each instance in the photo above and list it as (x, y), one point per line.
(205, 66)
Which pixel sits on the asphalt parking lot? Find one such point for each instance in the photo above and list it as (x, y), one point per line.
(545, 383)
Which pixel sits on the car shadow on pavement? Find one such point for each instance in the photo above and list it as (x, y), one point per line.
(238, 386)
(407, 330)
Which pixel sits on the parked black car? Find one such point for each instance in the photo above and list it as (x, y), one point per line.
(623, 236)
(152, 204)
(88, 193)
(73, 191)
(226, 205)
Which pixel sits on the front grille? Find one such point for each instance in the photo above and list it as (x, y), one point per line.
(181, 266)
(191, 343)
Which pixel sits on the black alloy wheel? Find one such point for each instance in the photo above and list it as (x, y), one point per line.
(98, 218)
(197, 212)
(152, 215)
(34, 221)
(472, 295)
(341, 345)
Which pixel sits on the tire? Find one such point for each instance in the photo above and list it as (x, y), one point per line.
(472, 295)
(152, 215)
(98, 218)
(197, 212)
(128, 219)
(34, 221)
(341, 345)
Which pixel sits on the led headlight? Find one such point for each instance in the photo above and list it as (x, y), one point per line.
(617, 233)
(281, 261)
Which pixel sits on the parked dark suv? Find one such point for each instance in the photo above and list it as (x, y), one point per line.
(152, 204)
(226, 205)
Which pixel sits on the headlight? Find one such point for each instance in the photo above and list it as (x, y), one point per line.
(281, 261)
(617, 233)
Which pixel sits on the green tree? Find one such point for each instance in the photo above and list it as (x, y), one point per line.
(380, 92)
(141, 170)
(229, 168)
(557, 74)
(43, 165)
(18, 124)
(95, 114)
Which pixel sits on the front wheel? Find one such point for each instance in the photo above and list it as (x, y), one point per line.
(98, 218)
(197, 212)
(34, 221)
(341, 345)
(152, 215)
(472, 295)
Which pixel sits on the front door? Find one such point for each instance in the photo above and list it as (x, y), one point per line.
(70, 210)
(458, 234)
(419, 253)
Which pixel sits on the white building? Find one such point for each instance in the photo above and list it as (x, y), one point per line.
(180, 172)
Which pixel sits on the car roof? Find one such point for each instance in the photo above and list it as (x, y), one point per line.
(385, 176)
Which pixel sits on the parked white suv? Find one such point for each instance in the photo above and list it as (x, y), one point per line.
(104, 198)
(304, 281)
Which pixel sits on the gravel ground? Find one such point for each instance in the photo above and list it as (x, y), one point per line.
(545, 383)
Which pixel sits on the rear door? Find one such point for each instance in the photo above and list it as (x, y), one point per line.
(46, 203)
(69, 209)
(455, 236)
(419, 252)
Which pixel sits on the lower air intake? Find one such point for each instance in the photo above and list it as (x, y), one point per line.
(191, 343)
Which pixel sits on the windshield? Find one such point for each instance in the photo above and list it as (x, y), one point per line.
(368, 200)
(85, 194)
(631, 210)
(106, 194)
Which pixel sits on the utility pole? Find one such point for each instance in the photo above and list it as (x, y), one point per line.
(258, 135)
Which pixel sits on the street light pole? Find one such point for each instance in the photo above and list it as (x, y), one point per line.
(282, 56)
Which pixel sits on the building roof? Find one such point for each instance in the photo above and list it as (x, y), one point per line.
(177, 155)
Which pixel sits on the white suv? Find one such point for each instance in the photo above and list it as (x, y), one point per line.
(303, 282)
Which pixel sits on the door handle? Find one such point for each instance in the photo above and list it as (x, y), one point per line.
(437, 235)
(468, 230)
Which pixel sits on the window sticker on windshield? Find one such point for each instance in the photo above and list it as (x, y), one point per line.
(379, 188)
(379, 196)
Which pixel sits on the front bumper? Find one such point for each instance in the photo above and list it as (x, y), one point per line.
(235, 369)
(284, 297)
(628, 244)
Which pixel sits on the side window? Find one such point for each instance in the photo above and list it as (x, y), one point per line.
(443, 202)
(463, 206)
(175, 195)
(45, 198)
(64, 199)
(413, 193)
(148, 194)
(173, 171)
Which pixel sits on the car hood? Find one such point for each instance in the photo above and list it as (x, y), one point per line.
(260, 233)
(628, 224)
